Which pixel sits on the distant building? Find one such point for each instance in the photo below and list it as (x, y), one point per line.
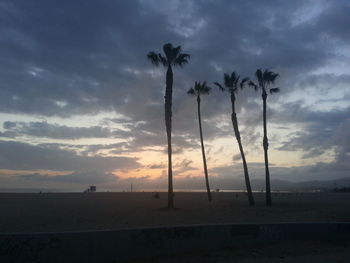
(91, 189)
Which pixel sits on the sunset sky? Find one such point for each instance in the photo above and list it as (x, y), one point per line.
(80, 104)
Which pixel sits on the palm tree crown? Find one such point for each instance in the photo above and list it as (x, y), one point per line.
(199, 89)
(265, 78)
(173, 56)
(232, 83)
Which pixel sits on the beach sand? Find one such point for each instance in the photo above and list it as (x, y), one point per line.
(50, 212)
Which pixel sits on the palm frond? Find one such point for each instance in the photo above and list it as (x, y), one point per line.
(266, 74)
(269, 76)
(191, 91)
(181, 59)
(243, 82)
(235, 81)
(228, 80)
(253, 85)
(259, 76)
(234, 75)
(197, 86)
(176, 52)
(153, 57)
(204, 89)
(168, 51)
(272, 77)
(162, 60)
(274, 90)
(219, 86)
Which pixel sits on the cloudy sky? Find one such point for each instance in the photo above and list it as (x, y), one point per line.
(80, 104)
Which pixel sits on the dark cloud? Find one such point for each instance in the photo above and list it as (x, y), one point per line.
(321, 131)
(71, 58)
(22, 156)
(79, 58)
(65, 58)
(56, 131)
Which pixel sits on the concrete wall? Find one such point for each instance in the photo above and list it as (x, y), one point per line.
(114, 245)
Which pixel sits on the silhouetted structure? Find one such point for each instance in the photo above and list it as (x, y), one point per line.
(173, 57)
(232, 84)
(201, 89)
(265, 78)
(91, 189)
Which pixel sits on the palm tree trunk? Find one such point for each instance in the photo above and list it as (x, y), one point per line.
(203, 150)
(168, 113)
(266, 146)
(238, 137)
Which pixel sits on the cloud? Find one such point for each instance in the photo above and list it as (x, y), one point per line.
(56, 131)
(321, 131)
(67, 59)
(95, 59)
(157, 166)
(22, 156)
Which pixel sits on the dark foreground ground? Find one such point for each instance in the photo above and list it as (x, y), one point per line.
(96, 211)
(286, 252)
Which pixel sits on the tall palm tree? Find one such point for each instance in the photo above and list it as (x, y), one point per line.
(232, 83)
(198, 90)
(172, 57)
(265, 78)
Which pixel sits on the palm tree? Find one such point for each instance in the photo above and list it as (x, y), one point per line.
(265, 78)
(173, 57)
(231, 84)
(198, 90)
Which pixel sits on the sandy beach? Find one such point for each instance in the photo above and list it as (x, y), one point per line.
(50, 212)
